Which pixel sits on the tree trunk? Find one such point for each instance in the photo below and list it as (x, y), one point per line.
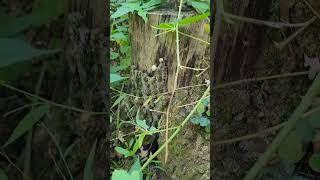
(80, 84)
(247, 51)
(189, 152)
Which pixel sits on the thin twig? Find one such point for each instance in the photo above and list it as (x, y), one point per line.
(278, 25)
(2, 83)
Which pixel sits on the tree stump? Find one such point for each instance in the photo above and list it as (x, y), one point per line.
(189, 152)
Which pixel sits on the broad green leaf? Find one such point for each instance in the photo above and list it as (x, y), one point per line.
(88, 174)
(142, 124)
(119, 99)
(143, 14)
(200, 6)
(291, 149)
(208, 112)
(3, 175)
(314, 162)
(13, 25)
(193, 19)
(201, 108)
(13, 51)
(151, 4)
(115, 78)
(137, 144)
(153, 130)
(195, 120)
(44, 11)
(136, 167)
(27, 122)
(122, 151)
(204, 122)
(114, 55)
(121, 11)
(132, 6)
(314, 119)
(124, 175)
(305, 130)
(118, 36)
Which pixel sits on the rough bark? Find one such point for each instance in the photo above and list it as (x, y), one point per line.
(80, 84)
(189, 152)
(247, 51)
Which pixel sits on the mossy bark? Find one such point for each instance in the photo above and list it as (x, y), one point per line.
(189, 152)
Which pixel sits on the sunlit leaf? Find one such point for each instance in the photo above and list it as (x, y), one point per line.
(115, 77)
(122, 151)
(124, 175)
(193, 19)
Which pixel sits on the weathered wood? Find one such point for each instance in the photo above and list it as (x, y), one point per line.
(189, 152)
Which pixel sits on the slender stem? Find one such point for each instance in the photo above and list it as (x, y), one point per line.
(2, 83)
(205, 94)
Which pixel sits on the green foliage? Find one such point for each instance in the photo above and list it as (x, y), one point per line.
(87, 173)
(124, 175)
(27, 122)
(3, 175)
(199, 6)
(115, 78)
(291, 150)
(314, 162)
(9, 55)
(136, 6)
(43, 12)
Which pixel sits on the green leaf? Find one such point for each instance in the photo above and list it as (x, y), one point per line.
(143, 14)
(291, 149)
(9, 54)
(151, 4)
(142, 124)
(305, 130)
(3, 175)
(201, 108)
(44, 11)
(121, 11)
(114, 55)
(193, 19)
(153, 130)
(122, 151)
(200, 6)
(204, 122)
(166, 26)
(314, 119)
(124, 175)
(314, 162)
(119, 99)
(195, 120)
(13, 25)
(136, 167)
(137, 144)
(27, 122)
(88, 174)
(115, 77)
